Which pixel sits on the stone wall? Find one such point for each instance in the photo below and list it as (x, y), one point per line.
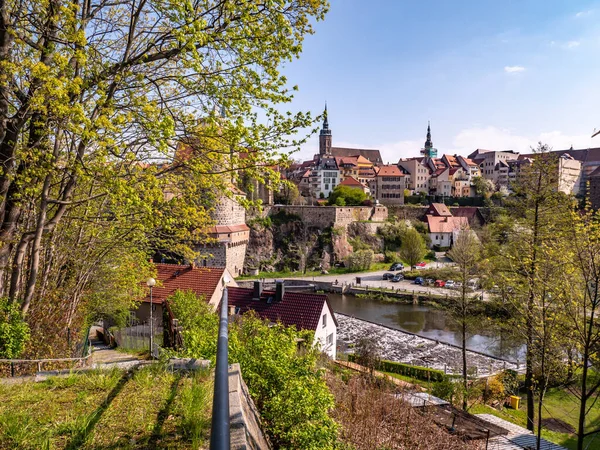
(408, 212)
(327, 216)
(228, 212)
(244, 419)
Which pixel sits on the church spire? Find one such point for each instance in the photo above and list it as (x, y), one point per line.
(325, 129)
(325, 135)
(428, 143)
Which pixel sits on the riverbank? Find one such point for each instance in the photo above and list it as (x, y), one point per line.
(409, 348)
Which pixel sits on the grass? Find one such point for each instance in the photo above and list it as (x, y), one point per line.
(314, 273)
(559, 404)
(151, 408)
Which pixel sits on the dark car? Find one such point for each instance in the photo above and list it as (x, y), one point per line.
(387, 276)
(398, 277)
(397, 266)
(419, 280)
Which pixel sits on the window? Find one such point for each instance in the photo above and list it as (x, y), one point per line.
(324, 320)
(330, 339)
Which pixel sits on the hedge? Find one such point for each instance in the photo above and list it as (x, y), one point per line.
(420, 373)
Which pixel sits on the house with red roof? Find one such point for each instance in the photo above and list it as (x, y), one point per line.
(354, 183)
(388, 185)
(303, 310)
(207, 282)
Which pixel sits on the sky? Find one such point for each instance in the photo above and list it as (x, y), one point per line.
(491, 74)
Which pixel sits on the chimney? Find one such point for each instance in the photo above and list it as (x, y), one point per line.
(279, 290)
(258, 287)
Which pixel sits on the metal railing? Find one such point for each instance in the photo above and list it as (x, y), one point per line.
(219, 434)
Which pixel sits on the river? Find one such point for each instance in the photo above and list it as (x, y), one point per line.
(427, 322)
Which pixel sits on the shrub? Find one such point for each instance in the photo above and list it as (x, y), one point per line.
(360, 260)
(444, 389)
(284, 382)
(418, 372)
(14, 331)
(351, 196)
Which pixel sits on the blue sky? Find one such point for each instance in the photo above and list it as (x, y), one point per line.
(495, 74)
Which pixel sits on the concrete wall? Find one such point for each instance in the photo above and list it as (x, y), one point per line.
(245, 429)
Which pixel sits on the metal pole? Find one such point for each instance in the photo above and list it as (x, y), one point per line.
(219, 434)
(151, 331)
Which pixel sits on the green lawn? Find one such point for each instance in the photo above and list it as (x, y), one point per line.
(151, 408)
(313, 273)
(558, 404)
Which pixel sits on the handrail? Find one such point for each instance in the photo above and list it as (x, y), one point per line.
(219, 434)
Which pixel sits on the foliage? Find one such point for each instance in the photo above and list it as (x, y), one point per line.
(360, 260)
(288, 194)
(444, 389)
(284, 381)
(260, 222)
(121, 125)
(282, 217)
(14, 331)
(367, 352)
(483, 187)
(347, 196)
(418, 372)
(413, 247)
(358, 244)
(392, 233)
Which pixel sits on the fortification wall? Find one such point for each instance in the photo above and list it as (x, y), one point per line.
(341, 216)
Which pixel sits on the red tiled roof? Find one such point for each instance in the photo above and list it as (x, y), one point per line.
(439, 209)
(389, 171)
(446, 224)
(174, 277)
(350, 181)
(228, 228)
(453, 170)
(297, 308)
(372, 155)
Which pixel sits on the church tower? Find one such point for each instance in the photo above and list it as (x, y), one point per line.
(428, 151)
(325, 136)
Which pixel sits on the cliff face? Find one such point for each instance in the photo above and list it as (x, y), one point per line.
(286, 241)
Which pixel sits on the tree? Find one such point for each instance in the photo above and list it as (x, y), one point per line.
(368, 352)
(582, 307)
(413, 248)
(466, 254)
(347, 196)
(121, 122)
(483, 187)
(360, 260)
(522, 261)
(14, 332)
(288, 194)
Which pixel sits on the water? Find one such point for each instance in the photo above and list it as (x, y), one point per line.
(427, 322)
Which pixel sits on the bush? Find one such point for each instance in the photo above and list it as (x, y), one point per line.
(346, 195)
(360, 260)
(284, 382)
(14, 331)
(444, 389)
(418, 372)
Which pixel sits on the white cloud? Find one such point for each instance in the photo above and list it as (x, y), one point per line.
(571, 44)
(392, 151)
(514, 69)
(581, 14)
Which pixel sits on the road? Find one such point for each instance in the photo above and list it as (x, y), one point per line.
(374, 279)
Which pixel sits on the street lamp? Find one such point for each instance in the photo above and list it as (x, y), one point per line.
(151, 282)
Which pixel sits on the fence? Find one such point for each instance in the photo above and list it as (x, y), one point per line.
(136, 335)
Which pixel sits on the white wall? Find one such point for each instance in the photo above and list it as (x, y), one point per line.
(322, 332)
(441, 239)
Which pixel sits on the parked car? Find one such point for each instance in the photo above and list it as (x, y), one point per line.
(473, 284)
(398, 277)
(450, 284)
(429, 281)
(397, 266)
(387, 276)
(439, 283)
(458, 284)
(421, 265)
(419, 280)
